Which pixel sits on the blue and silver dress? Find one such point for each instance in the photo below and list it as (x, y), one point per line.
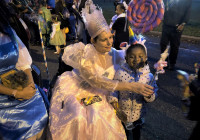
(19, 120)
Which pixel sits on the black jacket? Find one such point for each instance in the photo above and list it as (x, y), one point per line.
(177, 12)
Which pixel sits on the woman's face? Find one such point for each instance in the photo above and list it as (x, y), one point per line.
(104, 42)
(136, 58)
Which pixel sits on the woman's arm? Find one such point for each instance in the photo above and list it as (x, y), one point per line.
(24, 62)
(30, 77)
(135, 87)
(25, 94)
(79, 56)
(7, 91)
(89, 73)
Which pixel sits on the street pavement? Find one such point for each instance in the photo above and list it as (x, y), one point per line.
(164, 119)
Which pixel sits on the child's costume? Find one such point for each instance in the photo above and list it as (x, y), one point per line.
(130, 103)
(57, 36)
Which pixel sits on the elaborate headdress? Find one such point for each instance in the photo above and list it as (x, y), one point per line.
(94, 19)
(133, 39)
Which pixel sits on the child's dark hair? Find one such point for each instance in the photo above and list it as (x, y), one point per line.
(133, 46)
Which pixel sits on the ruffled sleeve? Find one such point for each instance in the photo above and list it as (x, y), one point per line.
(72, 55)
(84, 59)
(54, 30)
(24, 60)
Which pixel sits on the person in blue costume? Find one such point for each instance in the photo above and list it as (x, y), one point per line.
(23, 114)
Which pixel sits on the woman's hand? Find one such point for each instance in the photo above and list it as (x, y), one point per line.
(27, 93)
(143, 89)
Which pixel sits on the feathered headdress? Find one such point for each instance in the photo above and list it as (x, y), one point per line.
(133, 39)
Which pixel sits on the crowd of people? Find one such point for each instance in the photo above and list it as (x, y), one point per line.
(32, 11)
(102, 93)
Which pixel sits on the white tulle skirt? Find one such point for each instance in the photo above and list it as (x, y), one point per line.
(69, 120)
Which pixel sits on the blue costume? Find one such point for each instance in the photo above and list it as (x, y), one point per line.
(19, 120)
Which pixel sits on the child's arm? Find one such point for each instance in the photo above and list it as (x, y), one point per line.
(152, 97)
(54, 30)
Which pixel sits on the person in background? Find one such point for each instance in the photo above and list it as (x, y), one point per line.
(120, 26)
(191, 99)
(59, 7)
(116, 2)
(46, 24)
(194, 107)
(72, 21)
(23, 112)
(81, 5)
(57, 37)
(18, 10)
(176, 16)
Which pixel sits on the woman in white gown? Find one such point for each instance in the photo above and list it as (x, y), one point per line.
(94, 68)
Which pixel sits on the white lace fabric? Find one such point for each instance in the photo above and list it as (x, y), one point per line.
(85, 59)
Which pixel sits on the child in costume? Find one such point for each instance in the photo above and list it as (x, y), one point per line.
(131, 105)
(57, 36)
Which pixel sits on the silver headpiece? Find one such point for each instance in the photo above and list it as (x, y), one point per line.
(94, 19)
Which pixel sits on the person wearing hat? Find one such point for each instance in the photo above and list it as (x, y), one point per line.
(176, 15)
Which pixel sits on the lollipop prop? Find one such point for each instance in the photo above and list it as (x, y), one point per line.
(144, 15)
